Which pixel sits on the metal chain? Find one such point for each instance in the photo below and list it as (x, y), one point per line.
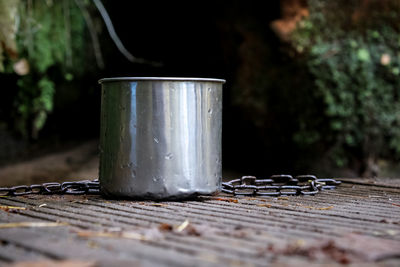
(84, 187)
(276, 185)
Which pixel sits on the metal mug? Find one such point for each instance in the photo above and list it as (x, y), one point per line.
(160, 138)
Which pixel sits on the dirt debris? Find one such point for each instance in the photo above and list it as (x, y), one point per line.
(185, 228)
(352, 248)
(315, 208)
(231, 200)
(11, 208)
(147, 234)
(321, 252)
(166, 227)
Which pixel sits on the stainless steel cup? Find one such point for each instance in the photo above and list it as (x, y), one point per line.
(160, 138)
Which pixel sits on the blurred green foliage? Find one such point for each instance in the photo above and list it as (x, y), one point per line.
(50, 36)
(352, 51)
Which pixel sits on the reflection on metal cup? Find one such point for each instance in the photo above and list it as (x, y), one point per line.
(160, 138)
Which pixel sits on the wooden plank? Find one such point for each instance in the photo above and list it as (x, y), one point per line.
(378, 182)
(243, 232)
(60, 243)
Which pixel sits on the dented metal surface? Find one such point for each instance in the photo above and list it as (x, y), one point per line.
(160, 137)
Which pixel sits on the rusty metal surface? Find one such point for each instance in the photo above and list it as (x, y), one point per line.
(355, 223)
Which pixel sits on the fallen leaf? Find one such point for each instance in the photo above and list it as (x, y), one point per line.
(283, 198)
(316, 208)
(191, 230)
(165, 227)
(182, 227)
(96, 234)
(395, 204)
(226, 199)
(8, 208)
(186, 228)
(42, 205)
(31, 224)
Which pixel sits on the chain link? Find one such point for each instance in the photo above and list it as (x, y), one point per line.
(276, 185)
(84, 187)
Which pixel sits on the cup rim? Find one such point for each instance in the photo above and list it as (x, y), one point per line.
(132, 79)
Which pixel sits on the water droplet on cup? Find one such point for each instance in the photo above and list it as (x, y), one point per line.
(169, 156)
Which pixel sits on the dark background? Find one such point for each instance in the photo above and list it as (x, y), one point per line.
(189, 39)
(200, 39)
